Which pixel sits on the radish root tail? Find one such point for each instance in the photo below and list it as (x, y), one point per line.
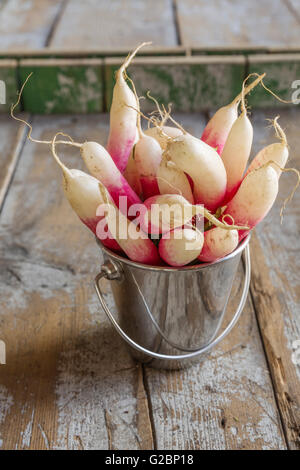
(250, 87)
(27, 124)
(56, 157)
(280, 134)
(274, 94)
(284, 170)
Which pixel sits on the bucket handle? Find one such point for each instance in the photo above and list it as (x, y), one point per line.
(109, 271)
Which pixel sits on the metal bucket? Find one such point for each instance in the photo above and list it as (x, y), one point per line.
(171, 316)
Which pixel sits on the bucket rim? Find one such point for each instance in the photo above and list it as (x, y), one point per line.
(187, 268)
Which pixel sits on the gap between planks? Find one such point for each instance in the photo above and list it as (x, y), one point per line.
(15, 157)
(56, 22)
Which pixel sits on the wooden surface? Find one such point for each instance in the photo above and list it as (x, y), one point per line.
(73, 25)
(237, 24)
(69, 381)
(105, 25)
(191, 84)
(27, 24)
(275, 280)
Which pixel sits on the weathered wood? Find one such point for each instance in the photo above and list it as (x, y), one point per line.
(11, 142)
(236, 24)
(227, 401)
(8, 78)
(69, 382)
(294, 7)
(103, 24)
(282, 71)
(63, 85)
(27, 24)
(275, 278)
(189, 83)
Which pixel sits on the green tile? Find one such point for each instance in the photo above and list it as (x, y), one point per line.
(191, 84)
(282, 71)
(62, 86)
(8, 85)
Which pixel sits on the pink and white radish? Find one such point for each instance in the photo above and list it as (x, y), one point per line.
(82, 192)
(254, 198)
(134, 242)
(102, 167)
(277, 152)
(218, 243)
(217, 129)
(180, 246)
(172, 180)
(147, 157)
(204, 166)
(123, 117)
(236, 151)
(131, 174)
(166, 212)
(161, 133)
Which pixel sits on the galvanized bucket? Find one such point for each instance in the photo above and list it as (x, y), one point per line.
(171, 317)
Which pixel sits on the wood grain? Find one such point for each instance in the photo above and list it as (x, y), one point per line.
(103, 24)
(282, 70)
(225, 402)
(189, 83)
(11, 142)
(27, 24)
(275, 278)
(69, 382)
(237, 24)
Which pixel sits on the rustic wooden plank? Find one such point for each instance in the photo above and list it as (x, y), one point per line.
(236, 24)
(275, 278)
(111, 24)
(27, 24)
(11, 142)
(294, 7)
(190, 83)
(91, 52)
(73, 377)
(8, 79)
(282, 70)
(225, 402)
(62, 85)
(69, 382)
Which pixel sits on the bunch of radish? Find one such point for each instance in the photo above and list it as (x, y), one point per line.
(148, 191)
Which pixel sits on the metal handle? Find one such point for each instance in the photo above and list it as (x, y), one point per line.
(110, 272)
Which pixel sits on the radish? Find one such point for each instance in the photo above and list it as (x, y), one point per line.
(131, 174)
(160, 132)
(123, 117)
(172, 180)
(202, 163)
(147, 157)
(102, 167)
(161, 137)
(181, 246)
(254, 198)
(236, 151)
(217, 129)
(218, 243)
(169, 211)
(135, 243)
(82, 192)
(277, 152)
(97, 160)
